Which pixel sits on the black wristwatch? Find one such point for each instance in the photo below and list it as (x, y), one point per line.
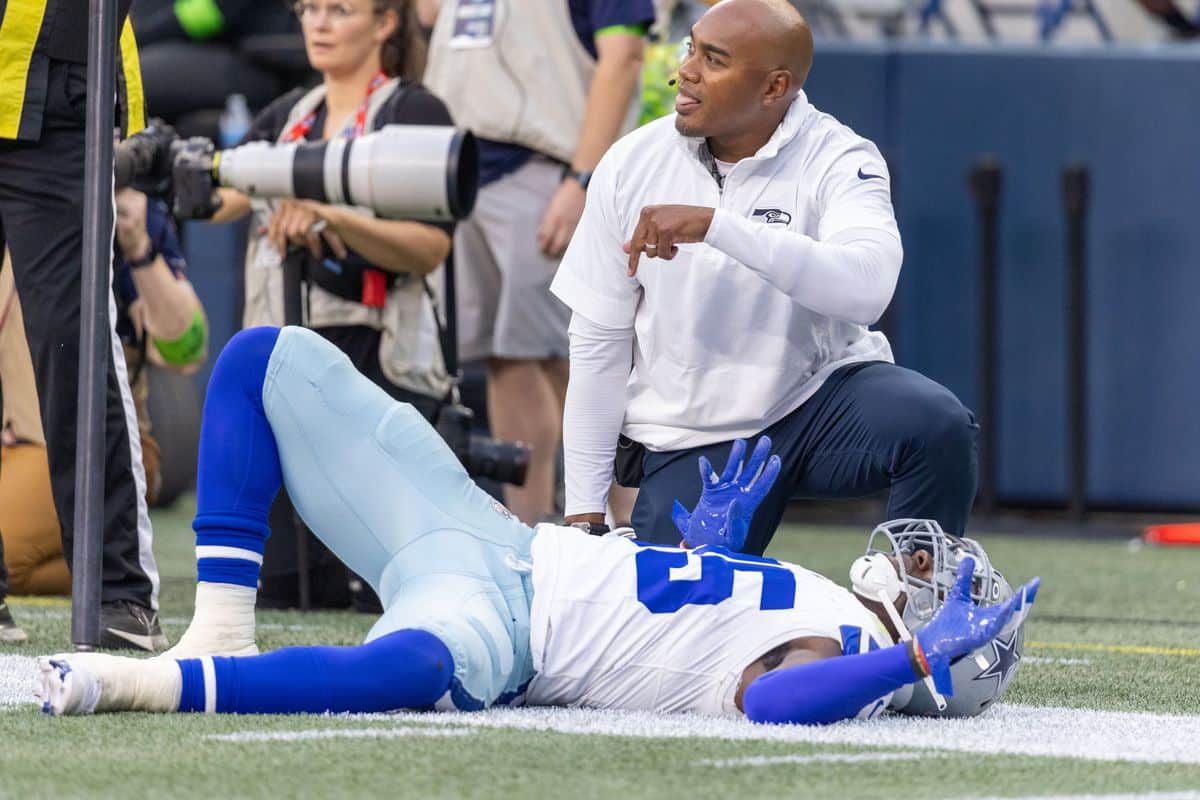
(144, 261)
(582, 178)
(593, 528)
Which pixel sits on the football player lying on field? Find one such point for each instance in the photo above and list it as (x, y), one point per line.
(481, 610)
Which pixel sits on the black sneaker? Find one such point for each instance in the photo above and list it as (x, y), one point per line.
(10, 631)
(127, 626)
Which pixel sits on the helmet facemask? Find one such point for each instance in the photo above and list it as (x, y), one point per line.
(981, 676)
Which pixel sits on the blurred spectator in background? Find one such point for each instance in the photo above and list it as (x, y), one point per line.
(367, 289)
(547, 86)
(159, 318)
(197, 53)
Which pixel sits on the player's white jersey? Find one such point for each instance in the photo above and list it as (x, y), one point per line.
(621, 624)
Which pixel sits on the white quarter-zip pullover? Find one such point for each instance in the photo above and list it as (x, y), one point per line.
(735, 332)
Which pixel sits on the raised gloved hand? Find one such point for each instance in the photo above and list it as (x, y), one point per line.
(729, 500)
(960, 625)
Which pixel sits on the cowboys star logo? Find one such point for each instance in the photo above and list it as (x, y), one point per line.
(1007, 656)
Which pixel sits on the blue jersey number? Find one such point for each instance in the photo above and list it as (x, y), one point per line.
(661, 595)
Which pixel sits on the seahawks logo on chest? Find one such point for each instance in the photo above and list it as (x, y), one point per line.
(772, 216)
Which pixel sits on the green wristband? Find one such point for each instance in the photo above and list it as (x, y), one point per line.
(189, 348)
(634, 30)
(200, 19)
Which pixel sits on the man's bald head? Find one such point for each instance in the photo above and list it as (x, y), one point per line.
(777, 35)
(747, 62)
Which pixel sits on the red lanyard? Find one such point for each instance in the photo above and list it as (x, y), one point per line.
(302, 128)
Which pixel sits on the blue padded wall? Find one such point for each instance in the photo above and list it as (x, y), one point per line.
(1132, 116)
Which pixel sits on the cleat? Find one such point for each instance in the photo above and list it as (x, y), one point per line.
(10, 631)
(127, 626)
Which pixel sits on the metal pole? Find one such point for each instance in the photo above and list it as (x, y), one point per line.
(985, 180)
(94, 334)
(1075, 184)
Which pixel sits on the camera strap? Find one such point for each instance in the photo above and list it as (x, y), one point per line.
(445, 339)
(353, 130)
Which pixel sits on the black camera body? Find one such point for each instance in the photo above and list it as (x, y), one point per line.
(157, 162)
(143, 161)
(506, 462)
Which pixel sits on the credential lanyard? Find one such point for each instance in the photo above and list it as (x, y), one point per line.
(356, 128)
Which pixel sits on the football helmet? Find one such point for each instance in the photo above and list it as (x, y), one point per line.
(981, 676)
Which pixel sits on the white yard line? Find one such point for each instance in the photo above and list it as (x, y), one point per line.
(16, 681)
(1004, 730)
(339, 733)
(817, 758)
(1185, 795)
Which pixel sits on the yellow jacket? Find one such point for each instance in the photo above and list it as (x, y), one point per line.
(27, 29)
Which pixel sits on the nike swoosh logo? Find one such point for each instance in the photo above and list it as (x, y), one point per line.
(144, 642)
(866, 175)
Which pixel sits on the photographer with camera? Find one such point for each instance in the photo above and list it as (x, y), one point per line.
(366, 287)
(366, 292)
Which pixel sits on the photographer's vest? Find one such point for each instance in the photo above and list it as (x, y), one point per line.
(513, 71)
(409, 351)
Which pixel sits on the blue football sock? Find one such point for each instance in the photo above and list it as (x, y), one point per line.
(239, 473)
(404, 669)
(829, 690)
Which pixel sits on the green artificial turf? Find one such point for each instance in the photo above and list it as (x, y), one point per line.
(1101, 601)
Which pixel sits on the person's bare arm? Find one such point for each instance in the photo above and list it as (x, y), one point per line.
(619, 59)
(616, 79)
(170, 304)
(234, 206)
(394, 245)
(427, 12)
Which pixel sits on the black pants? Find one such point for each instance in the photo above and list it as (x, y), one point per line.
(41, 209)
(870, 427)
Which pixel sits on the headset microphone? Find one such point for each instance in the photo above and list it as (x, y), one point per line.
(672, 82)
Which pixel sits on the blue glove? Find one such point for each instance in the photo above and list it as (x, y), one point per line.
(960, 626)
(728, 502)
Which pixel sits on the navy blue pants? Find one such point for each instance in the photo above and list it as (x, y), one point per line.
(870, 427)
